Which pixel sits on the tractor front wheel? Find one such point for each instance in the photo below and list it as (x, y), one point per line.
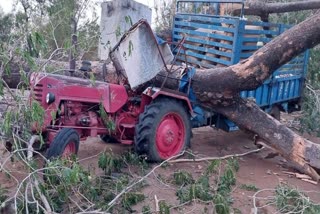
(64, 144)
(163, 130)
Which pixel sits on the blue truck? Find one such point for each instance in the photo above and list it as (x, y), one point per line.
(214, 39)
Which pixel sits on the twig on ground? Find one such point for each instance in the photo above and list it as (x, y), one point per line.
(216, 158)
(157, 203)
(111, 203)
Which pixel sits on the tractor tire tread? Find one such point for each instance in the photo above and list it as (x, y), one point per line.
(60, 141)
(145, 128)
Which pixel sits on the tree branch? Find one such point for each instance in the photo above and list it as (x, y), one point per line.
(263, 8)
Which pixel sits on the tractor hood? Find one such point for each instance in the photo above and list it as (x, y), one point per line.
(139, 56)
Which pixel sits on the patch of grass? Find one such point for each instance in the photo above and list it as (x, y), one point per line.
(182, 178)
(198, 190)
(234, 164)
(120, 183)
(131, 158)
(236, 211)
(249, 187)
(227, 180)
(205, 210)
(146, 209)
(213, 166)
(3, 196)
(109, 163)
(130, 199)
(221, 205)
(202, 189)
(164, 208)
(291, 200)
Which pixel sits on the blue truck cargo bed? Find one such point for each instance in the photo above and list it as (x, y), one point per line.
(213, 40)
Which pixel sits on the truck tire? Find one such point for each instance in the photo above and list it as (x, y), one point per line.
(64, 144)
(275, 112)
(163, 130)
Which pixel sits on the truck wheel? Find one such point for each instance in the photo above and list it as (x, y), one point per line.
(163, 130)
(275, 112)
(64, 144)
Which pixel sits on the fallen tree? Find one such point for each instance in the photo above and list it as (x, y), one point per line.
(218, 89)
(261, 8)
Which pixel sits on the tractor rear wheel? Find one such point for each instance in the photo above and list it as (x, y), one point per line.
(163, 130)
(64, 144)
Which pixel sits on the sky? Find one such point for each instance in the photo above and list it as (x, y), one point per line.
(7, 4)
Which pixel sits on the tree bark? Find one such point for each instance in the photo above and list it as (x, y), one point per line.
(261, 8)
(304, 154)
(74, 47)
(14, 79)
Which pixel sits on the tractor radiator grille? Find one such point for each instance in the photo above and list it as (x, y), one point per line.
(37, 92)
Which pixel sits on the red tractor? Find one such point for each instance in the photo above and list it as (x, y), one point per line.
(157, 121)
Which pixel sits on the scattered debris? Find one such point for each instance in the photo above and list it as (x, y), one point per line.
(302, 177)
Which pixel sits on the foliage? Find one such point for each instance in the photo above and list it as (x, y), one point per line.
(108, 162)
(313, 67)
(67, 183)
(311, 99)
(221, 204)
(311, 111)
(291, 200)
(249, 187)
(3, 196)
(146, 210)
(182, 178)
(130, 199)
(6, 23)
(198, 190)
(204, 189)
(108, 123)
(213, 166)
(52, 20)
(234, 164)
(164, 208)
(310, 107)
(164, 13)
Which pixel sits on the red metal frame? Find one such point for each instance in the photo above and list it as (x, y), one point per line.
(78, 105)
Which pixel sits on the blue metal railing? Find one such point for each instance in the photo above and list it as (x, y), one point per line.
(223, 41)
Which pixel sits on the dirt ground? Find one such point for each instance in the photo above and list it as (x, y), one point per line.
(254, 169)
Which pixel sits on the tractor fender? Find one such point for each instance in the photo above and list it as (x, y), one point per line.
(152, 93)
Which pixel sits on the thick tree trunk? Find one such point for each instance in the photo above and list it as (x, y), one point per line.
(13, 78)
(261, 8)
(303, 153)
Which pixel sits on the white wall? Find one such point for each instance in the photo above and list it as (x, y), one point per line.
(113, 20)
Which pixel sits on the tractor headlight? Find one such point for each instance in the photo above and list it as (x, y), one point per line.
(50, 98)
